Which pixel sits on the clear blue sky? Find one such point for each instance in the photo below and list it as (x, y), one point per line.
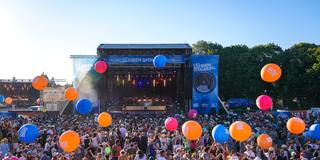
(39, 35)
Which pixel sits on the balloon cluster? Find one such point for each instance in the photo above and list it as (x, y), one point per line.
(7, 100)
(68, 140)
(192, 130)
(269, 73)
(239, 130)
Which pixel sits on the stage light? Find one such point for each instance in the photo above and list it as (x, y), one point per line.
(164, 83)
(129, 77)
(154, 83)
(117, 77)
(123, 82)
(159, 75)
(170, 79)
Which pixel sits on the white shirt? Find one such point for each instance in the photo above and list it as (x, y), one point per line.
(94, 142)
(82, 139)
(161, 158)
(47, 147)
(250, 154)
(163, 143)
(234, 158)
(50, 132)
(123, 132)
(143, 158)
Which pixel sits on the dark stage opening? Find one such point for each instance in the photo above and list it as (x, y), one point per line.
(143, 87)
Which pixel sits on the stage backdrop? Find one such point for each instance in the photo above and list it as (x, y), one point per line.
(205, 83)
(84, 78)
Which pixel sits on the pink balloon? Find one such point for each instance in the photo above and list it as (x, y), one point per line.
(192, 114)
(264, 102)
(100, 66)
(10, 158)
(171, 124)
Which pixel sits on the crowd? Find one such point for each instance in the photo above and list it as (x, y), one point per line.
(142, 137)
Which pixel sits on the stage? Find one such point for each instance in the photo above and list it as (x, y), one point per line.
(131, 81)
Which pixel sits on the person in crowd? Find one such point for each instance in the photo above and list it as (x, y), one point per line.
(115, 151)
(123, 155)
(140, 156)
(4, 147)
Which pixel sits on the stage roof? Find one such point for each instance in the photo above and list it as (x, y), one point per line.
(144, 49)
(145, 46)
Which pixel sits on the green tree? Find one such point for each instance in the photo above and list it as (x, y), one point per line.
(232, 71)
(313, 78)
(206, 47)
(296, 61)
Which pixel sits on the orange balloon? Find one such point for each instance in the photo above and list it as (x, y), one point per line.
(40, 83)
(71, 94)
(296, 125)
(8, 100)
(264, 141)
(69, 141)
(192, 130)
(240, 131)
(104, 119)
(270, 72)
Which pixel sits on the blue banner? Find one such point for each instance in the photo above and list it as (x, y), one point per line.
(240, 102)
(8, 115)
(141, 59)
(205, 83)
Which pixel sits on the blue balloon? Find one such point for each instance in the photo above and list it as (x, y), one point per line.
(220, 133)
(28, 133)
(84, 106)
(159, 61)
(1, 98)
(307, 134)
(315, 131)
